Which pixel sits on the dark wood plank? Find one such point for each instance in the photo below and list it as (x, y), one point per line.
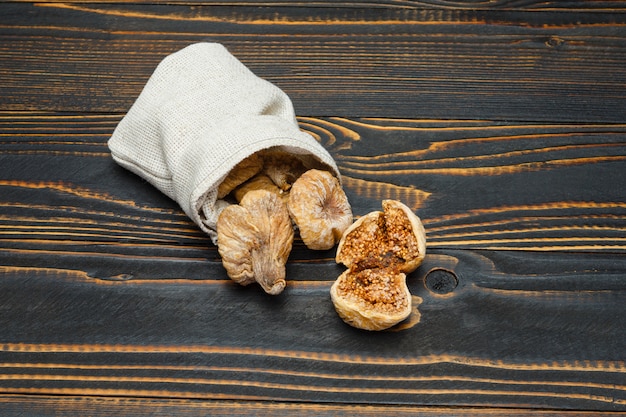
(476, 185)
(557, 66)
(96, 406)
(108, 290)
(500, 123)
(503, 337)
(525, 5)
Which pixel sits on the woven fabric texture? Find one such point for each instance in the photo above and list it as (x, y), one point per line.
(201, 112)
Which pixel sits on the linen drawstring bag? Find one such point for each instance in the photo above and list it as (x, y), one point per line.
(202, 112)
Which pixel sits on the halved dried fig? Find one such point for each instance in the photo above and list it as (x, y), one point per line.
(254, 239)
(379, 249)
(371, 299)
(320, 209)
(393, 238)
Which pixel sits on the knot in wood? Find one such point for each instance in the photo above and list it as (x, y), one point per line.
(441, 281)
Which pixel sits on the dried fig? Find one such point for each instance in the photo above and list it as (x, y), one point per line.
(371, 299)
(394, 238)
(254, 239)
(282, 167)
(320, 209)
(379, 249)
(241, 173)
(259, 182)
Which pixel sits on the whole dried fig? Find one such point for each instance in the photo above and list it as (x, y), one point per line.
(282, 167)
(378, 249)
(254, 239)
(259, 182)
(241, 173)
(320, 209)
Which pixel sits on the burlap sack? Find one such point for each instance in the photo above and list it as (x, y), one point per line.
(200, 113)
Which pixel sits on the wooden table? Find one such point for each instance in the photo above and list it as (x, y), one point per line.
(501, 123)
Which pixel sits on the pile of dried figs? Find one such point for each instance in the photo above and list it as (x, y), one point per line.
(276, 192)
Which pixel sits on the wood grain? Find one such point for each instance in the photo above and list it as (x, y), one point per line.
(534, 5)
(108, 290)
(477, 185)
(197, 339)
(500, 123)
(96, 406)
(565, 66)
